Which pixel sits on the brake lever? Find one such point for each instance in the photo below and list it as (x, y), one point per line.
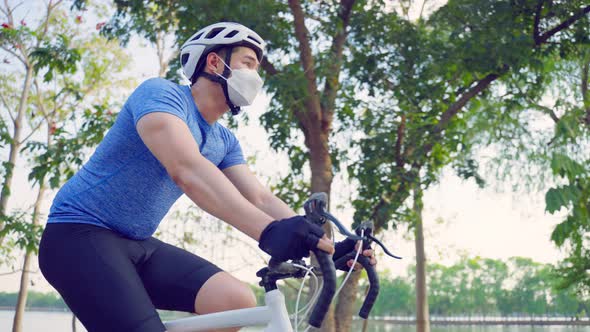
(367, 230)
(372, 238)
(315, 211)
(341, 227)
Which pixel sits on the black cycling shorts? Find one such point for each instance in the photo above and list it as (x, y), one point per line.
(113, 283)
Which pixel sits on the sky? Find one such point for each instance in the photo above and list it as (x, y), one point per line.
(459, 218)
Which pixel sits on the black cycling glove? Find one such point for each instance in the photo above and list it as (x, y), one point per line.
(290, 238)
(343, 247)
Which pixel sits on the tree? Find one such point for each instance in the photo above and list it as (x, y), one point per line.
(425, 80)
(77, 68)
(542, 129)
(456, 55)
(18, 41)
(303, 77)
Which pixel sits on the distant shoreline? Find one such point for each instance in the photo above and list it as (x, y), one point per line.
(37, 309)
(461, 321)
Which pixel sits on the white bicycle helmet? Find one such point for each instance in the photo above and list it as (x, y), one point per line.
(194, 51)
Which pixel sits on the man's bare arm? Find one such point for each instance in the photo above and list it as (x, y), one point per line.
(259, 195)
(171, 141)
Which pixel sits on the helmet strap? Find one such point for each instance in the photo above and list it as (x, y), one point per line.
(235, 110)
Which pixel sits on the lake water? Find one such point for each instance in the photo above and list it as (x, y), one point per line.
(62, 322)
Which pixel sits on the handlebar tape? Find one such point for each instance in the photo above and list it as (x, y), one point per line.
(373, 288)
(329, 274)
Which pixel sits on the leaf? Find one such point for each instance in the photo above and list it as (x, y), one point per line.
(561, 197)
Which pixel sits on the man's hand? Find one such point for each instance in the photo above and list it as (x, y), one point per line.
(348, 246)
(326, 245)
(293, 238)
(367, 252)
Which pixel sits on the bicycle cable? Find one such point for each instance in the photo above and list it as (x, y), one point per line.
(316, 292)
(313, 298)
(352, 266)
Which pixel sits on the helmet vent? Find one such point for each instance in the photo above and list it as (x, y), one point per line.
(184, 58)
(214, 33)
(197, 36)
(255, 40)
(231, 34)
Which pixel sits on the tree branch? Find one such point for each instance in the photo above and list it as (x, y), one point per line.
(17, 271)
(39, 103)
(544, 37)
(302, 35)
(547, 110)
(41, 108)
(34, 130)
(446, 117)
(268, 67)
(456, 107)
(7, 108)
(335, 65)
(14, 54)
(584, 87)
(422, 9)
(402, 191)
(400, 142)
(537, 21)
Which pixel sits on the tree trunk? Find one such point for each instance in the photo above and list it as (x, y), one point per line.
(15, 145)
(321, 181)
(17, 323)
(345, 308)
(315, 120)
(422, 318)
(24, 279)
(584, 87)
(160, 49)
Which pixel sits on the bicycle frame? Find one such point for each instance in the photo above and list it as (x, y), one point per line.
(274, 315)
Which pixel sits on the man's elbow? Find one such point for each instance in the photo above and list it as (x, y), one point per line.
(183, 175)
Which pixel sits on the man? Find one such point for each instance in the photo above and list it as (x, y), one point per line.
(97, 249)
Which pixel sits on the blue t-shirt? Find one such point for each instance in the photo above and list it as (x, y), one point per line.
(123, 186)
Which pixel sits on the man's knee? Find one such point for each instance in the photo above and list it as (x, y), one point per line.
(224, 292)
(244, 298)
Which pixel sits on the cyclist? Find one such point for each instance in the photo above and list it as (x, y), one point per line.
(97, 249)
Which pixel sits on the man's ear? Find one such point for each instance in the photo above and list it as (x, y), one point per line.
(212, 63)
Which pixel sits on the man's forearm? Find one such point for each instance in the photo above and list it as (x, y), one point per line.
(275, 207)
(210, 189)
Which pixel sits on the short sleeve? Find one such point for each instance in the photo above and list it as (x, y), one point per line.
(157, 95)
(234, 155)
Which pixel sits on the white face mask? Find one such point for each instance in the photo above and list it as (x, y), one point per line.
(242, 86)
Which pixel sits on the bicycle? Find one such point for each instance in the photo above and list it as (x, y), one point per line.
(274, 313)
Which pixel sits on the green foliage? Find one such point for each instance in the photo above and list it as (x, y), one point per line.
(293, 190)
(72, 70)
(419, 94)
(430, 82)
(468, 169)
(484, 286)
(5, 137)
(34, 300)
(57, 56)
(396, 296)
(20, 234)
(574, 197)
(65, 156)
(471, 286)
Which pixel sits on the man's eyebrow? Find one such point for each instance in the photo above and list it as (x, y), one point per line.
(249, 57)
